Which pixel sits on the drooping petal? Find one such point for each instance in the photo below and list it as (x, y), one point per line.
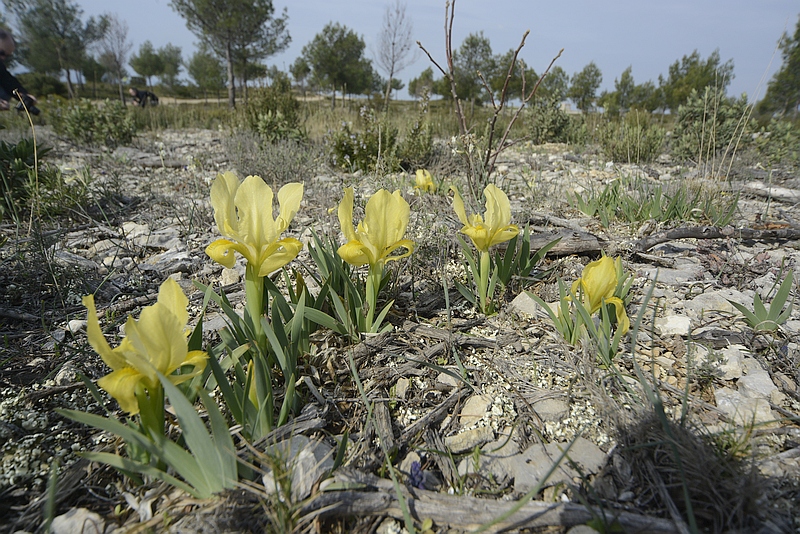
(279, 254)
(96, 338)
(479, 234)
(503, 234)
(221, 251)
(197, 359)
(121, 384)
(353, 252)
(403, 243)
(623, 322)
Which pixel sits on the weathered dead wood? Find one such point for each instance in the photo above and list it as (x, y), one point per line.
(463, 512)
(773, 192)
(19, 316)
(458, 339)
(714, 232)
(383, 423)
(434, 442)
(312, 417)
(434, 416)
(572, 242)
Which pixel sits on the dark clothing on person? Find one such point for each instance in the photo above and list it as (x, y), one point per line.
(8, 83)
(141, 98)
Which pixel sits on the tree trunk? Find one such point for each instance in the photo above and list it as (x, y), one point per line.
(70, 92)
(70, 89)
(244, 82)
(231, 79)
(388, 89)
(119, 84)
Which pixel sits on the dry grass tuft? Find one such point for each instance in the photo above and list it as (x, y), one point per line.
(669, 460)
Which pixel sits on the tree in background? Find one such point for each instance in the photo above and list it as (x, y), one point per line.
(472, 57)
(52, 36)
(249, 53)
(498, 76)
(395, 46)
(92, 70)
(147, 63)
(300, 71)
(691, 72)
(421, 84)
(336, 58)
(584, 85)
(114, 49)
(554, 86)
(783, 91)
(233, 26)
(206, 70)
(396, 84)
(627, 95)
(171, 62)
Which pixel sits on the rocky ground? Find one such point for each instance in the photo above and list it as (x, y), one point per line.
(464, 448)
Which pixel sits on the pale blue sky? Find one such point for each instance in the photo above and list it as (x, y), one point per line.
(647, 35)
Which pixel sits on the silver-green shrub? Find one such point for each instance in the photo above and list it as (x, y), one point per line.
(711, 125)
(632, 139)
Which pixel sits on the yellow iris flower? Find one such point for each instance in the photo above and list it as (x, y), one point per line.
(379, 234)
(424, 181)
(495, 225)
(243, 213)
(156, 342)
(597, 285)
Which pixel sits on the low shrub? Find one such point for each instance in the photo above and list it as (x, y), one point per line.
(711, 125)
(274, 112)
(374, 148)
(778, 143)
(102, 123)
(632, 139)
(416, 148)
(23, 184)
(549, 123)
(277, 163)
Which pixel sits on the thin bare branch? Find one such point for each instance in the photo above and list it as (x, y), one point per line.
(525, 100)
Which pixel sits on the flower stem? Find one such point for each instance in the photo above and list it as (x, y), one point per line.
(373, 287)
(483, 281)
(254, 292)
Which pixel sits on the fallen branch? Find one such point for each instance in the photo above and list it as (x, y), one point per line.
(463, 512)
(714, 232)
(781, 194)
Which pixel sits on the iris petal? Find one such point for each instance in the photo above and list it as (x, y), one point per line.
(156, 342)
(244, 215)
(494, 226)
(381, 231)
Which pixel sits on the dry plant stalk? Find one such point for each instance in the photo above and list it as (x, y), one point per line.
(489, 159)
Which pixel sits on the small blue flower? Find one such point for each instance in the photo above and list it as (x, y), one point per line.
(417, 477)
